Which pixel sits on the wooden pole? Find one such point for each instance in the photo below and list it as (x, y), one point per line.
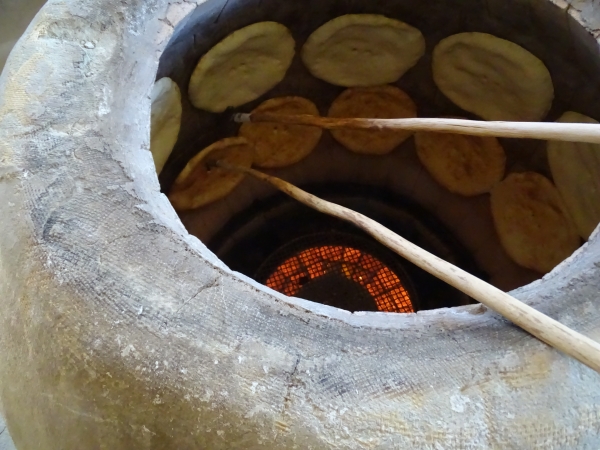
(559, 131)
(541, 326)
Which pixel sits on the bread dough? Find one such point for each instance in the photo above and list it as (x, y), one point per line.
(362, 50)
(165, 120)
(492, 77)
(242, 67)
(199, 184)
(575, 168)
(378, 102)
(532, 222)
(465, 165)
(280, 145)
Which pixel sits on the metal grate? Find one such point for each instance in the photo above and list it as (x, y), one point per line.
(323, 272)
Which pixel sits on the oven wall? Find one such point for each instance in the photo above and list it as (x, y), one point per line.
(15, 15)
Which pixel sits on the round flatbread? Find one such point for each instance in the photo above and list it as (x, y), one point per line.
(575, 168)
(242, 67)
(377, 102)
(165, 120)
(362, 50)
(465, 165)
(532, 222)
(199, 183)
(492, 77)
(279, 145)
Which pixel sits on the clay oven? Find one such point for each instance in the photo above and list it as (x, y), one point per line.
(126, 326)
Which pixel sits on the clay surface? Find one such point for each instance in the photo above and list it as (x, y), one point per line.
(119, 330)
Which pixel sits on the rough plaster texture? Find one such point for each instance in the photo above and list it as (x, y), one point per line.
(119, 330)
(15, 15)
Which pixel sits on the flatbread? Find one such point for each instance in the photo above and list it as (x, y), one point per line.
(532, 222)
(575, 168)
(362, 50)
(199, 184)
(465, 165)
(378, 102)
(242, 67)
(279, 145)
(165, 120)
(492, 77)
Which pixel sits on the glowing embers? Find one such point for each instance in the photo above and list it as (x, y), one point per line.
(341, 276)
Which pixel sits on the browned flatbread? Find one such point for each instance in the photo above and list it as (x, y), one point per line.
(378, 102)
(532, 222)
(465, 165)
(280, 145)
(199, 184)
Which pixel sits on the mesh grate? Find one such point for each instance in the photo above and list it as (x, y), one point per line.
(296, 272)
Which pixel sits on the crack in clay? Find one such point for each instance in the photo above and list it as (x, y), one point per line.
(118, 238)
(221, 12)
(211, 284)
(290, 384)
(166, 22)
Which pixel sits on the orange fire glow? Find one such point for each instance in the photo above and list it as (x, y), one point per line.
(382, 283)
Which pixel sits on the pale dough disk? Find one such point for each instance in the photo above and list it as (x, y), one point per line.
(199, 184)
(279, 145)
(165, 120)
(377, 102)
(532, 222)
(362, 50)
(575, 168)
(242, 67)
(465, 165)
(492, 77)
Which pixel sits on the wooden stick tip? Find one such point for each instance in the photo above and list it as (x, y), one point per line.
(241, 118)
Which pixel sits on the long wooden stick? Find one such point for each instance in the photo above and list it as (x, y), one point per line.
(541, 326)
(559, 131)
